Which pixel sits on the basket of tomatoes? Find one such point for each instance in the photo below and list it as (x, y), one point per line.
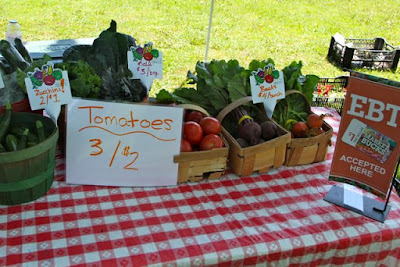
(204, 151)
(310, 134)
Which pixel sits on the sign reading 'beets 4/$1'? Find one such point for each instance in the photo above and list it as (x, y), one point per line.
(368, 143)
(267, 86)
(120, 144)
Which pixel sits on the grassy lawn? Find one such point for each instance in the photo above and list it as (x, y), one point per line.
(284, 30)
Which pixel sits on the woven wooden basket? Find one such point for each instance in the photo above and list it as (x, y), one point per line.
(308, 150)
(27, 174)
(198, 165)
(244, 161)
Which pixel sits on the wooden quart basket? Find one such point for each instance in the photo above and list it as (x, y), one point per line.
(244, 161)
(301, 151)
(198, 165)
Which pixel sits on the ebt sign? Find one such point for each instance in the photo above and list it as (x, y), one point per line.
(368, 142)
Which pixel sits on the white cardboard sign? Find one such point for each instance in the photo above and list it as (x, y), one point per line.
(119, 144)
(145, 63)
(48, 87)
(267, 86)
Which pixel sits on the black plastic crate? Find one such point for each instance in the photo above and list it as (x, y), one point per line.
(358, 53)
(330, 93)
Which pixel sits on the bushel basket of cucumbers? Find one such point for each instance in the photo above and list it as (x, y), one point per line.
(27, 156)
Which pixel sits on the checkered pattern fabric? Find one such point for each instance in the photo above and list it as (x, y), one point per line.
(279, 218)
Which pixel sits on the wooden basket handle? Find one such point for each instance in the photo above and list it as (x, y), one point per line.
(232, 106)
(290, 92)
(194, 107)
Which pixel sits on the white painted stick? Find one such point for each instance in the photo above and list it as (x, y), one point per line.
(209, 30)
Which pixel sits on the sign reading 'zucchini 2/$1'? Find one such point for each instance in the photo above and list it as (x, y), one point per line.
(368, 143)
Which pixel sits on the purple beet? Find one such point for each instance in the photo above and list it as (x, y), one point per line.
(250, 131)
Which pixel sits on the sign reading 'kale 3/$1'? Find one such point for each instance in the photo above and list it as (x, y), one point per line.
(368, 142)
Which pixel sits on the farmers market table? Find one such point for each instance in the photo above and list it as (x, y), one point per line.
(278, 218)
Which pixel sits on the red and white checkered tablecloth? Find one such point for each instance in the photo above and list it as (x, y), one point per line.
(279, 218)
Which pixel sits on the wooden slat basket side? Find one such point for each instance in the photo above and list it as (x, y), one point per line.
(261, 157)
(309, 150)
(301, 151)
(198, 165)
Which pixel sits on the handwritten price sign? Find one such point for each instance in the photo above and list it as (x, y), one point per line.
(267, 86)
(48, 87)
(146, 64)
(122, 144)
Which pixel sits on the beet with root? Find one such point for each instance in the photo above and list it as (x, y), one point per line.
(300, 129)
(315, 121)
(250, 131)
(269, 130)
(242, 142)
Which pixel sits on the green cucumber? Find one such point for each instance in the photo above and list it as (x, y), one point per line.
(40, 131)
(22, 50)
(23, 139)
(18, 131)
(5, 123)
(12, 56)
(11, 142)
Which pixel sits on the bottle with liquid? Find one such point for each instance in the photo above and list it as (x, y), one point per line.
(13, 31)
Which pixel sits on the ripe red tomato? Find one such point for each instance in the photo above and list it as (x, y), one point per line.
(148, 56)
(210, 125)
(269, 78)
(211, 141)
(49, 80)
(192, 132)
(194, 116)
(186, 146)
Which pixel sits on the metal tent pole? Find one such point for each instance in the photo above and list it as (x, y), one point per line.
(209, 30)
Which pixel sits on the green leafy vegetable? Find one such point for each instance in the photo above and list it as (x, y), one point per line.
(83, 80)
(108, 57)
(295, 80)
(291, 109)
(218, 83)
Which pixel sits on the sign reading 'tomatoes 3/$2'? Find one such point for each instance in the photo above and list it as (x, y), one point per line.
(368, 142)
(122, 144)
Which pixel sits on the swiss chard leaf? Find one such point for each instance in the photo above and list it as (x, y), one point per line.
(256, 64)
(237, 88)
(293, 108)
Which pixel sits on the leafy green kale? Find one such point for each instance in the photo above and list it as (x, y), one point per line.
(83, 80)
(108, 57)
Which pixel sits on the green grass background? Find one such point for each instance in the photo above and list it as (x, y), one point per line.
(284, 30)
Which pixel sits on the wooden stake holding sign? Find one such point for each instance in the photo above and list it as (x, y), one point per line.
(1, 81)
(368, 144)
(122, 144)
